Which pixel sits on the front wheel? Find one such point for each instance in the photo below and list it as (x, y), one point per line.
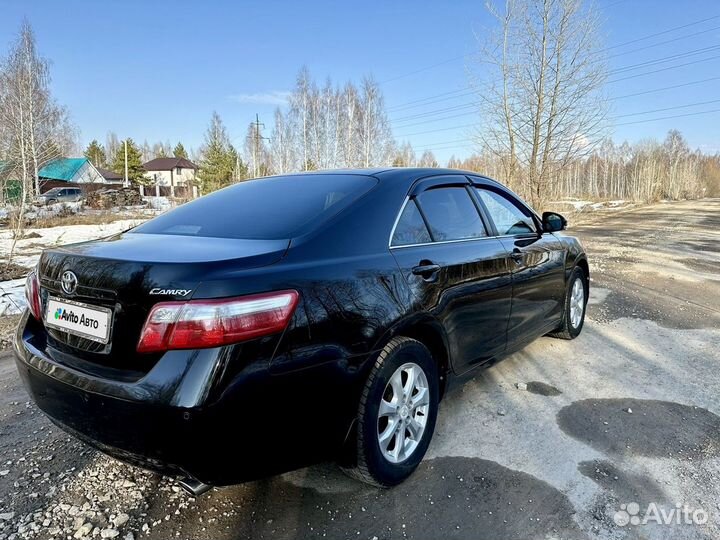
(576, 299)
(397, 413)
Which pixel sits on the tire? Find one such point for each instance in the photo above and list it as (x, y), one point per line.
(375, 465)
(568, 330)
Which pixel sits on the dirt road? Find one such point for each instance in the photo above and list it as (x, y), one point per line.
(621, 424)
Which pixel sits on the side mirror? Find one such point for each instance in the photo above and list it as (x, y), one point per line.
(553, 222)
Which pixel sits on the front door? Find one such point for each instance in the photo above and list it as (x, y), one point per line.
(538, 266)
(456, 271)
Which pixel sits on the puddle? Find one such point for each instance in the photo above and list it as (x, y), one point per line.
(543, 389)
(654, 428)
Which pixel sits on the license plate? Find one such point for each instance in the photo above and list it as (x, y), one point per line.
(89, 322)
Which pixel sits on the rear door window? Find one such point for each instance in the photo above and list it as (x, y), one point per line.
(272, 208)
(451, 214)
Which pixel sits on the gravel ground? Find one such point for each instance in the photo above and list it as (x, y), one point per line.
(625, 415)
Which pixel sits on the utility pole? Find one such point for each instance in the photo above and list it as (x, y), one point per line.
(256, 145)
(126, 183)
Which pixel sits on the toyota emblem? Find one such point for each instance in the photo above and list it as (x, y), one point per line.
(68, 282)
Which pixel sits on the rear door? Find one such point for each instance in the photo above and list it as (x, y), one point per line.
(538, 266)
(455, 270)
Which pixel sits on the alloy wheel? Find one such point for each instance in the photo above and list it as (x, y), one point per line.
(577, 303)
(403, 413)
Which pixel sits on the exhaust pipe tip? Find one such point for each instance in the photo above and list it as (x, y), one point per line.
(194, 487)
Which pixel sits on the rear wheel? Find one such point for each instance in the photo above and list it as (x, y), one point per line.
(397, 413)
(576, 299)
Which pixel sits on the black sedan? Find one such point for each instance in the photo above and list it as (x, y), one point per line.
(294, 319)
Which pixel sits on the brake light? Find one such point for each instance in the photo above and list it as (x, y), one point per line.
(200, 324)
(32, 295)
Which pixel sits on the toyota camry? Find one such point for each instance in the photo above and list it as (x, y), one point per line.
(294, 319)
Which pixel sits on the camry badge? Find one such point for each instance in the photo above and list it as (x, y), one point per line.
(172, 292)
(69, 282)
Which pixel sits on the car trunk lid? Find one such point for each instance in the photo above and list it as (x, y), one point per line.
(125, 275)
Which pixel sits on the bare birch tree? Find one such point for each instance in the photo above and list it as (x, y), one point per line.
(428, 159)
(283, 158)
(332, 127)
(36, 129)
(540, 87)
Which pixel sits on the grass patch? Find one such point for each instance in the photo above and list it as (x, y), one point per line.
(8, 323)
(11, 270)
(100, 218)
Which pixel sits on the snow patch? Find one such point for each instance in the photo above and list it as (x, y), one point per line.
(12, 297)
(158, 203)
(28, 250)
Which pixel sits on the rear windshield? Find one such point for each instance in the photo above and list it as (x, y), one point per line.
(266, 209)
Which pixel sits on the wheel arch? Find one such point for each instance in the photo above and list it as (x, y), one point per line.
(582, 262)
(430, 333)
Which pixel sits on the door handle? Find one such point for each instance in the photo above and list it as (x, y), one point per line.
(517, 256)
(426, 271)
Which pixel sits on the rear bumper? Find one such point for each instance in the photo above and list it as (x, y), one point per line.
(176, 421)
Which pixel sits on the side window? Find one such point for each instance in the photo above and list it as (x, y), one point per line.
(410, 228)
(451, 214)
(508, 218)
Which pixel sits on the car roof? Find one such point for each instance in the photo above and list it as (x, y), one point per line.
(393, 173)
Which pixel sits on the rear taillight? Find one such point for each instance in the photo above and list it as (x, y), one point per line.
(200, 324)
(32, 295)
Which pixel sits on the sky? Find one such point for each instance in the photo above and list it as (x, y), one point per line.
(157, 70)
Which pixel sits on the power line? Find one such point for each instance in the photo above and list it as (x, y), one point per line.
(445, 145)
(427, 68)
(664, 59)
(437, 146)
(436, 111)
(669, 117)
(429, 121)
(664, 42)
(256, 138)
(664, 69)
(437, 130)
(408, 104)
(475, 104)
(461, 115)
(623, 44)
(464, 126)
(669, 108)
(467, 91)
(666, 88)
(660, 33)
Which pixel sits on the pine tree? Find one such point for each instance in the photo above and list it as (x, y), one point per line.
(220, 165)
(134, 159)
(95, 152)
(179, 151)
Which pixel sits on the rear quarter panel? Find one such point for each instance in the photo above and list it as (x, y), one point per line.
(351, 293)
